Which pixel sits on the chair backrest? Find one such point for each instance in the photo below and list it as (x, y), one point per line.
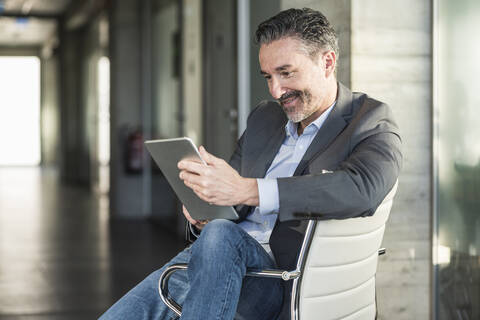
(338, 279)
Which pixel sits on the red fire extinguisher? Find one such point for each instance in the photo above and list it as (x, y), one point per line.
(134, 152)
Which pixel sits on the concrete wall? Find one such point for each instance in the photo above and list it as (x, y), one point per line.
(391, 61)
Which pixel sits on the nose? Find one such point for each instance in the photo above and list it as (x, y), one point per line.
(276, 90)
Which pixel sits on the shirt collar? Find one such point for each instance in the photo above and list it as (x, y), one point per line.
(291, 127)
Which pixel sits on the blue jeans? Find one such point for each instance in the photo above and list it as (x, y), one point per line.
(214, 286)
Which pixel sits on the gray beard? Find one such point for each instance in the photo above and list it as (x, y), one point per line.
(298, 116)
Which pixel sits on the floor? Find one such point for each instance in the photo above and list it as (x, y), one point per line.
(60, 255)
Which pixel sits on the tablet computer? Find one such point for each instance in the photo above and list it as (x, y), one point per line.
(167, 153)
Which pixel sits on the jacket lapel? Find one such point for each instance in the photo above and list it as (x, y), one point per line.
(332, 127)
(262, 163)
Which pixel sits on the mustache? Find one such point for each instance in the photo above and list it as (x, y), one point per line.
(289, 95)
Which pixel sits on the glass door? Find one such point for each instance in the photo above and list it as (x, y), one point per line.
(456, 239)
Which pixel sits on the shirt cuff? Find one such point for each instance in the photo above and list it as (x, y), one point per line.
(268, 196)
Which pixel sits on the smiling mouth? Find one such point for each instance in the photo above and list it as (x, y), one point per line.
(289, 101)
(289, 98)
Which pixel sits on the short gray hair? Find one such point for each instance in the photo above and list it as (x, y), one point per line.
(309, 26)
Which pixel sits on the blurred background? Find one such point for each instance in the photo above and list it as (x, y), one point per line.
(85, 215)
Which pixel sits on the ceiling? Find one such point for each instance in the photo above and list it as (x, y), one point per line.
(29, 22)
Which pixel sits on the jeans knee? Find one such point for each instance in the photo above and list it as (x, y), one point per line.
(220, 225)
(217, 234)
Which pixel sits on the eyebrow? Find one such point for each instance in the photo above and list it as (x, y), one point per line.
(281, 68)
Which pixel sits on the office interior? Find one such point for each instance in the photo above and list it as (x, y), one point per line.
(84, 212)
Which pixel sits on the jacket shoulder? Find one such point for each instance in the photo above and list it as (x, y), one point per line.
(364, 102)
(370, 112)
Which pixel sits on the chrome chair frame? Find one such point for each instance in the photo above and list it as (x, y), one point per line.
(294, 275)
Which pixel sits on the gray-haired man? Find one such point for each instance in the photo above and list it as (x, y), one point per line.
(319, 151)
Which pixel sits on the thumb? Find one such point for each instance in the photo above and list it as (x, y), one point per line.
(208, 157)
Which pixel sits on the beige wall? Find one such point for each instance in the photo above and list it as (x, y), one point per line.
(391, 61)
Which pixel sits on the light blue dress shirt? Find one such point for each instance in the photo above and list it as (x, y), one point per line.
(259, 224)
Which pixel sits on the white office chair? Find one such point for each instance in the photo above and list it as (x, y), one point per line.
(335, 273)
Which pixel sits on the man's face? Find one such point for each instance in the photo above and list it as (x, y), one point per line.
(295, 80)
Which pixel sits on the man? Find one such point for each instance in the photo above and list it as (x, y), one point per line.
(319, 151)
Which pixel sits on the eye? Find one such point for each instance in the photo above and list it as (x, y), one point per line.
(286, 74)
(268, 78)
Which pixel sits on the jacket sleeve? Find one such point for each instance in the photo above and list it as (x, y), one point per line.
(357, 185)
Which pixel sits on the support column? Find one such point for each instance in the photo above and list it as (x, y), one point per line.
(126, 189)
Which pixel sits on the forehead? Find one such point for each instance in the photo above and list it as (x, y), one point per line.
(285, 51)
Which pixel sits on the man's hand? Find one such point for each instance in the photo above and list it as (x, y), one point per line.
(199, 224)
(218, 183)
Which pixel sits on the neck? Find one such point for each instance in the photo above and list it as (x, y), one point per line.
(327, 102)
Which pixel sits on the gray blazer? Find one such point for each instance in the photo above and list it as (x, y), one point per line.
(352, 163)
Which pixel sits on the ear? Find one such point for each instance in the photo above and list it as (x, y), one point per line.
(330, 61)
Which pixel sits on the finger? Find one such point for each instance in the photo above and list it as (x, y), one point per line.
(202, 193)
(208, 157)
(201, 224)
(192, 166)
(200, 187)
(193, 179)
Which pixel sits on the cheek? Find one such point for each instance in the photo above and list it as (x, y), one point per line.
(269, 86)
(316, 94)
(307, 96)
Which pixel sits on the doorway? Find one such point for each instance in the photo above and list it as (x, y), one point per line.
(20, 111)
